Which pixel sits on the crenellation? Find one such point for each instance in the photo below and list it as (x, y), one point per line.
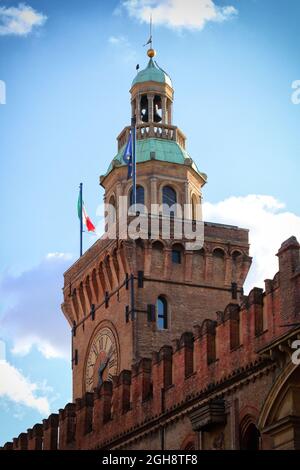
(289, 278)
(84, 417)
(50, 432)
(121, 393)
(102, 406)
(35, 437)
(15, 443)
(161, 376)
(142, 381)
(67, 426)
(21, 442)
(7, 446)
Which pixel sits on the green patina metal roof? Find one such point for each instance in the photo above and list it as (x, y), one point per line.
(158, 149)
(152, 73)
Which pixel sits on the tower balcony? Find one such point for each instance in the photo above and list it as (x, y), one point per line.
(154, 131)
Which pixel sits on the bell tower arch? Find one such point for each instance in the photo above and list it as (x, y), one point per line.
(152, 95)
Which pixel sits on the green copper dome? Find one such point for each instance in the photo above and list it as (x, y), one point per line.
(157, 149)
(152, 73)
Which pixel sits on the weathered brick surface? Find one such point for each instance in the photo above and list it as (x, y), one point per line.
(150, 405)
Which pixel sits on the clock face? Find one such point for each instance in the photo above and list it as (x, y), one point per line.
(102, 361)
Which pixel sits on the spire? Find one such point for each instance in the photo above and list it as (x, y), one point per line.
(151, 52)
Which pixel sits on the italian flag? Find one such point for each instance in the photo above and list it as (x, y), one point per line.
(85, 218)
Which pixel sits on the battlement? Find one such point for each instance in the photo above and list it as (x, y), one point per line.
(219, 354)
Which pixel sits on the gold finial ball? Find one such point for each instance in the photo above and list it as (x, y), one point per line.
(151, 53)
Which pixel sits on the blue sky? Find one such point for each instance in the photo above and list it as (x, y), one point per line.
(67, 80)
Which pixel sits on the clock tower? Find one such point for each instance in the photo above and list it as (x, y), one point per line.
(126, 297)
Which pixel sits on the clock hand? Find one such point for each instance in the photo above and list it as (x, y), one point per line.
(102, 368)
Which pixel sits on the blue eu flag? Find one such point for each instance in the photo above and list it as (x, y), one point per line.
(127, 157)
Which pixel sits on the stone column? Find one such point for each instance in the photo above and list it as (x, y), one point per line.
(170, 116)
(153, 197)
(150, 108)
(164, 110)
(118, 194)
(228, 269)
(234, 424)
(138, 109)
(187, 199)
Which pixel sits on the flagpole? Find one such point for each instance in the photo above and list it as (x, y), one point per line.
(81, 222)
(133, 131)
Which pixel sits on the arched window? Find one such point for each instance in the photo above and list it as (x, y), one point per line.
(144, 108)
(162, 313)
(157, 108)
(140, 196)
(169, 197)
(251, 438)
(176, 254)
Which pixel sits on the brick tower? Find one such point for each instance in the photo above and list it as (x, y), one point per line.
(125, 298)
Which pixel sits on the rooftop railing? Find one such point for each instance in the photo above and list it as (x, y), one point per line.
(152, 130)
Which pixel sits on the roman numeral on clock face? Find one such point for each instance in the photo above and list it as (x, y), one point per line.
(95, 349)
(112, 363)
(105, 342)
(111, 351)
(90, 370)
(90, 363)
(90, 382)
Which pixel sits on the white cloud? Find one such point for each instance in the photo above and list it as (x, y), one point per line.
(124, 47)
(17, 388)
(189, 14)
(32, 315)
(118, 40)
(269, 226)
(20, 20)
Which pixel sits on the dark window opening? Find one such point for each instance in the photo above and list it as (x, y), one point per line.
(176, 256)
(251, 438)
(169, 197)
(162, 313)
(144, 109)
(157, 109)
(140, 196)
